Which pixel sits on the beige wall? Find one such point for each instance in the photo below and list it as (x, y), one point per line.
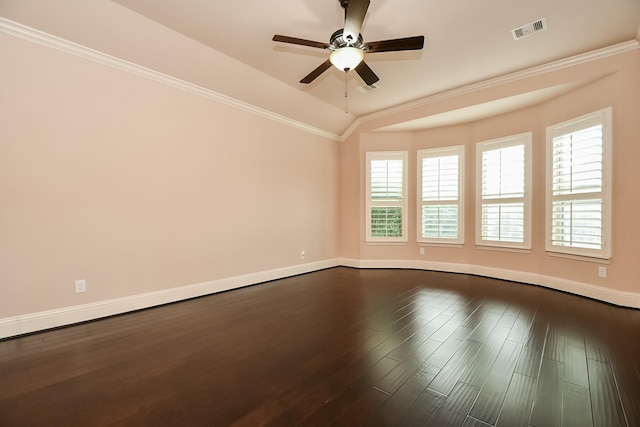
(613, 81)
(139, 187)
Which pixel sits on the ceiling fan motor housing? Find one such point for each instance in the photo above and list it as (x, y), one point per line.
(337, 40)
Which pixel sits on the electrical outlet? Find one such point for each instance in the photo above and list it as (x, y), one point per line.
(421, 251)
(81, 286)
(602, 272)
(303, 254)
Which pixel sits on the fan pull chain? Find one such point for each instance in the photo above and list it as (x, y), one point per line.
(346, 98)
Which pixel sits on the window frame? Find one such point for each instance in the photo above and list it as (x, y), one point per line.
(524, 139)
(601, 117)
(386, 155)
(440, 152)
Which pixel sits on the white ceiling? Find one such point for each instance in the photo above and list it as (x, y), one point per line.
(466, 42)
(485, 109)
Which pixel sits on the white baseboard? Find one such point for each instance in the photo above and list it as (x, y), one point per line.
(613, 296)
(34, 322)
(25, 324)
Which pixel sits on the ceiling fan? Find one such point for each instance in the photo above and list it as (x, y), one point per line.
(348, 47)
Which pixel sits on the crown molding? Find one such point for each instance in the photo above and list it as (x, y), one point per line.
(561, 64)
(36, 36)
(48, 40)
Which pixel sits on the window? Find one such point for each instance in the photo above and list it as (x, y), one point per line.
(578, 188)
(440, 196)
(503, 193)
(386, 196)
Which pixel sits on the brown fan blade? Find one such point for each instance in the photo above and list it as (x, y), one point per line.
(366, 73)
(407, 43)
(315, 73)
(301, 42)
(356, 11)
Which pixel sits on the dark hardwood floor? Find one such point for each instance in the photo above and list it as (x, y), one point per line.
(340, 347)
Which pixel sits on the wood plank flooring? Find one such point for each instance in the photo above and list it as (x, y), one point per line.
(338, 347)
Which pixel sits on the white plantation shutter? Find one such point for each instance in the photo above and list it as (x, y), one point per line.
(503, 194)
(577, 193)
(386, 179)
(440, 215)
(503, 172)
(386, 196)
(503, 197)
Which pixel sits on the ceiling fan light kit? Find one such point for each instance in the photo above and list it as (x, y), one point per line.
(347, 46)
(346, 58)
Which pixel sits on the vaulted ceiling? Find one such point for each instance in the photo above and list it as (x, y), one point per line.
(466, 42)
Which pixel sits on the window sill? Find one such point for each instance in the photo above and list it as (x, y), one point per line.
(585, 258)
(504, 249)
(387, 243)
(441, 245)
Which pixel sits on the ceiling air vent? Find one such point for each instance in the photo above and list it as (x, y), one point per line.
(529, 29)
(368, 88)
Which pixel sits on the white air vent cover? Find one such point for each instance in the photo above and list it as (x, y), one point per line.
(367, 88)
(529, 29)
